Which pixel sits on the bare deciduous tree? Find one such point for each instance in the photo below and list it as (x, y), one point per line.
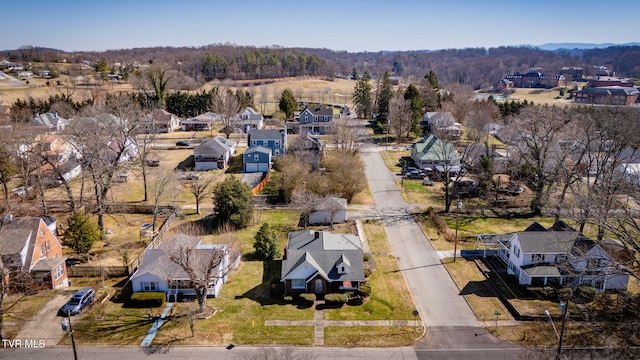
(347, 135)
(225, 103)
(305, 200)
(400, 120)
(200, 189)
(203, 264)
(538, 130)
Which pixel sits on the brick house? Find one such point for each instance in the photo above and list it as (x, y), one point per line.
(28, 246)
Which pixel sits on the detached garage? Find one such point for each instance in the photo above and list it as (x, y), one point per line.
(257, 159)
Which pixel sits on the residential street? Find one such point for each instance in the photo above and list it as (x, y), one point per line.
(448, 318)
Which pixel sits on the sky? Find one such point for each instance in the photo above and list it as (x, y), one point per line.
(349, 25)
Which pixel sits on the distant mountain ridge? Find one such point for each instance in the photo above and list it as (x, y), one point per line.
(582, 46)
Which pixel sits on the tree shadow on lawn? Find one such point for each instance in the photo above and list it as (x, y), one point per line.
(270, 290)
(115, 329)
(186, 164)
(480, 288)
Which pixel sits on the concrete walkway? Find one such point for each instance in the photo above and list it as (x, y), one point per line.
(146, 342)
(319, 323)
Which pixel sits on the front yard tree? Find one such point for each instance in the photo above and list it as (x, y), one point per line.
(7, 170)
(400, 122)
(202, 264)
(200, 189)
(362, 96)
(227, 104)
(105, 142)
(538, 129)
(385, 93)
(414, 99)
(288, 104)
(82, 233)
(233, 202)
(266, 243)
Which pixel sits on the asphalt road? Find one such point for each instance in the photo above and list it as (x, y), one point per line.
(449, 320)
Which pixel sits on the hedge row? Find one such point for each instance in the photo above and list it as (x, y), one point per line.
(148, 299)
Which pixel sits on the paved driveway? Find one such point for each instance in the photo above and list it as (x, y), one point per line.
(45, 325)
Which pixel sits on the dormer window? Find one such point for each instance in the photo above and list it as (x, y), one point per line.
(343, 265)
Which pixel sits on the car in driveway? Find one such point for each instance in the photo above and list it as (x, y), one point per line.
(78, 302)
(414, 174)
(182, 143)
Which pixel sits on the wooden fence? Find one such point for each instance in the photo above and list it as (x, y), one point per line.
(256, 190)
(98, 270)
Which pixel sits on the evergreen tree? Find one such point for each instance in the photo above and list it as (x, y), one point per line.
(288, 103)
(433, 80)
(385, 94)
(362, 96)
(233, 202)
(266, 243)
(414, 98)
(82, 233)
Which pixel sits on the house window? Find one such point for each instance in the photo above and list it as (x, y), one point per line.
(306, 118)
(41, 250)
(149, 286)
(516, 252)
(277, 143)
(47, 246)
(253, 142)
(536, 258)
(59, 271)
(277, 151)
(297, 284)
(256, 157)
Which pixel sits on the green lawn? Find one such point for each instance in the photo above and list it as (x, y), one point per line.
(477, 291)
(245, 304)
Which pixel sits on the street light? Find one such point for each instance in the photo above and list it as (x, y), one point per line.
(546, 312)
(564, 308)
(66, 326)
(455, 241)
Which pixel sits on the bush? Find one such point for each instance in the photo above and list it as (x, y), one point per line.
(367, 272)
(148, 299)
(307, 298)
(364, 290)
(288, 299)
(585, 294)
(336, 300)
(564, 293)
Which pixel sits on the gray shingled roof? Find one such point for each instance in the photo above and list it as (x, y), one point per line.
(324, 253)
(258, 134)
(16, 234)
(217, 145)
(541, 242)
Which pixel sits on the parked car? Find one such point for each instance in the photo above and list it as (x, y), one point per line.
(415, 174)
(78, 302)
(182, 143)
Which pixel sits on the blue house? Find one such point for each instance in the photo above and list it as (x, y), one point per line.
(257, 159)
(276, 140)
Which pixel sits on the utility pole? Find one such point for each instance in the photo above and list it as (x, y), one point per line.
(66, 326)
(565, 311)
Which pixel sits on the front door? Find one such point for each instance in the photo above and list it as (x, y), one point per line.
(318, 286)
